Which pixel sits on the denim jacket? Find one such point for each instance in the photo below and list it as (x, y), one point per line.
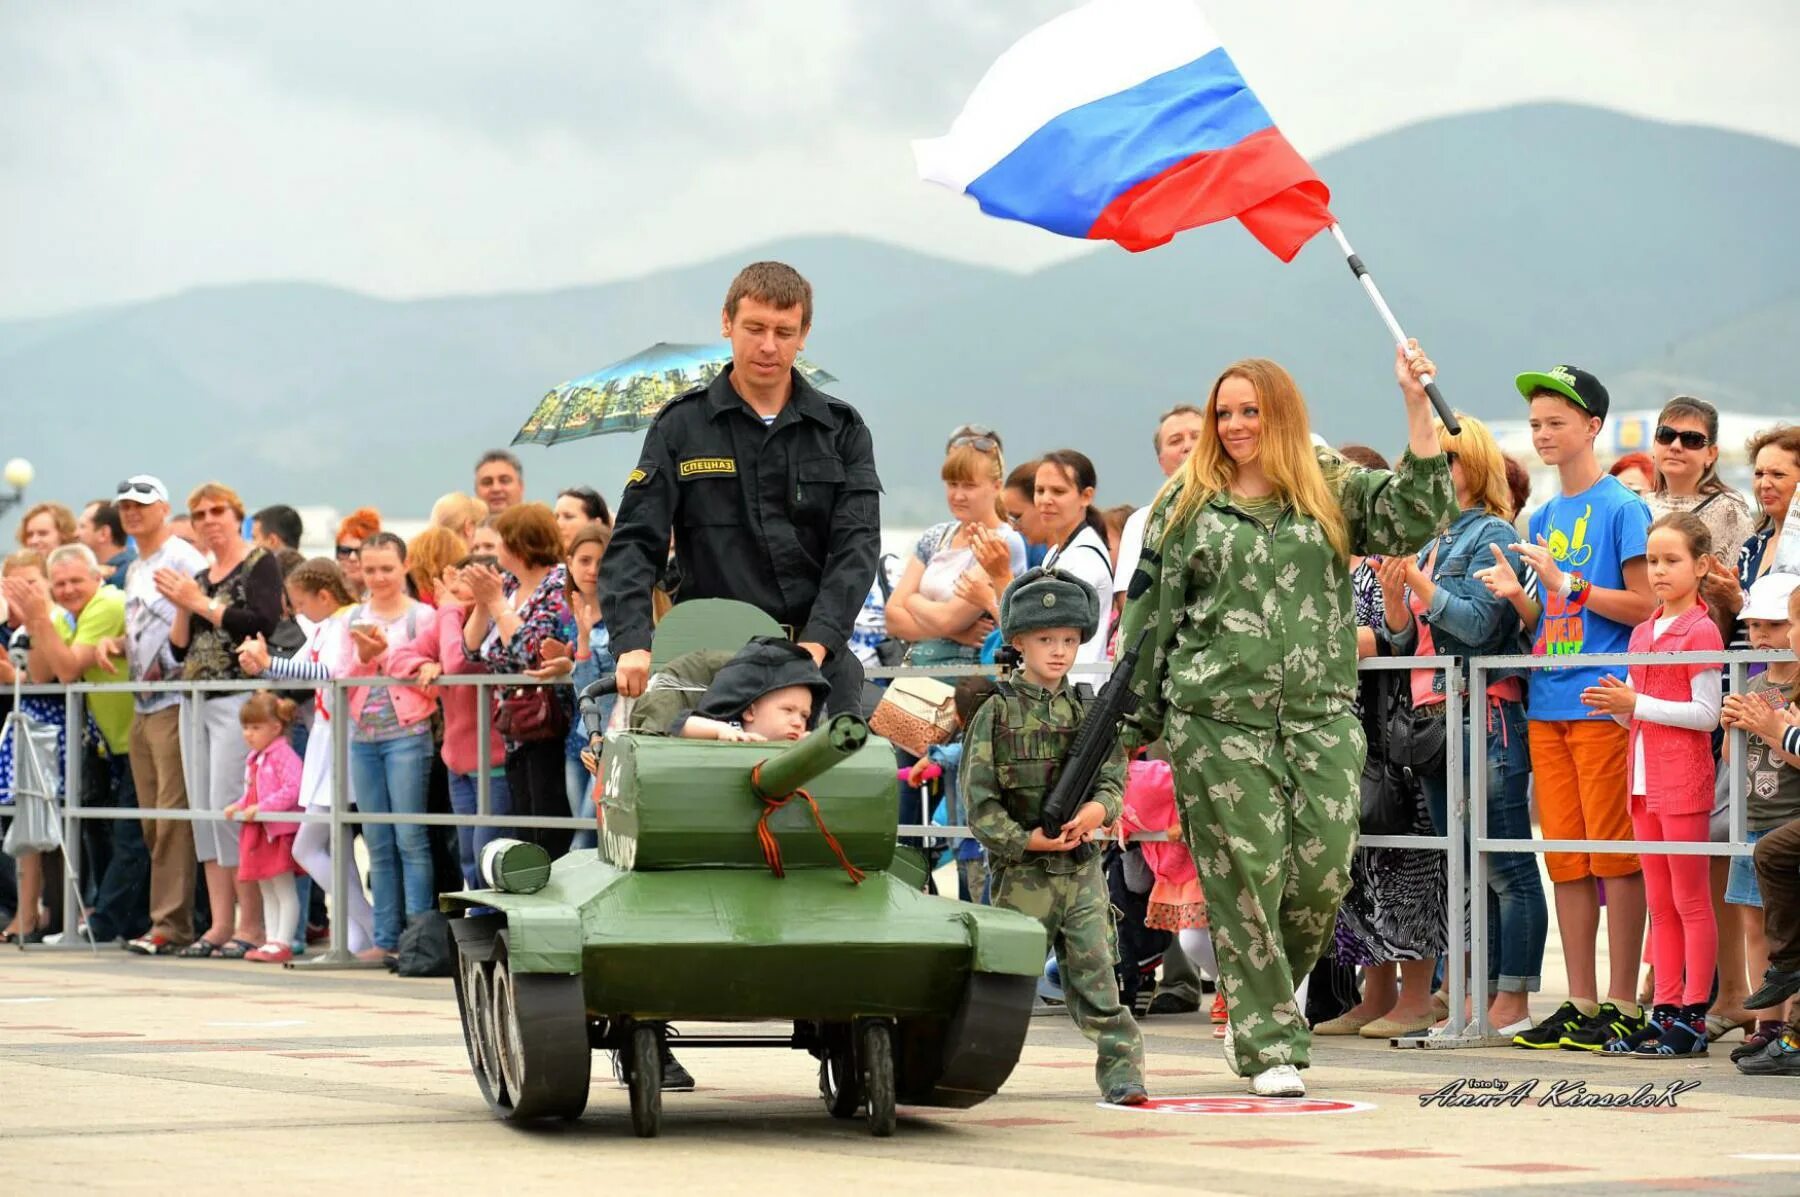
(600, 664)
(1466, 618)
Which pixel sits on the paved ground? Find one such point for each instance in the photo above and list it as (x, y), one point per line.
(126, 1073)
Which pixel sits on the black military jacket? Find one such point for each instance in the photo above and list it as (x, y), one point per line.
(786, 517)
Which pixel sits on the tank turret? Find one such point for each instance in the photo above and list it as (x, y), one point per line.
(669, 803)
(826, 746)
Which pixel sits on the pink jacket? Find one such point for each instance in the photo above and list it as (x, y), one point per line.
(274, 775)
(1678, 763)
(1150, 806)
(443, 643)
(411, 704)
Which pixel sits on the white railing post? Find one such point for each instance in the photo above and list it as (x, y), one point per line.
(74, 860)
(1457, 849)
(1478, 863)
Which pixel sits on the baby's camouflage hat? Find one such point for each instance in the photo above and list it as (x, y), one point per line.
(1048, 598)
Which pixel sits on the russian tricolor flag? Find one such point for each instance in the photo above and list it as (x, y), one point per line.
(1126, 121)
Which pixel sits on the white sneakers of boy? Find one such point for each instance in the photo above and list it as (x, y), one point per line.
(1283, 1080)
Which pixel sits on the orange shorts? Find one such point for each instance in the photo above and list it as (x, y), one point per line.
(1582, 784)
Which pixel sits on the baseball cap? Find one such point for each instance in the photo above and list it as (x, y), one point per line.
(1571, 382)
(1768, 597)
(142, 488)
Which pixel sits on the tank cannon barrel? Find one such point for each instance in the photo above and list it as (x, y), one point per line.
(835, 740)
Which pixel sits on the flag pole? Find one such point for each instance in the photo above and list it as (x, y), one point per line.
(1387, 316)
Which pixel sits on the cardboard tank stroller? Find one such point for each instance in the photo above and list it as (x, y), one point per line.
(752, 882)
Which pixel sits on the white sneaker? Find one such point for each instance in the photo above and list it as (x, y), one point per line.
(1231, 1050)
(1283, 1080)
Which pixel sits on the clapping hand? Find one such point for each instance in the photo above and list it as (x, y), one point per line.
(28, 603)
(1500, 578)
(253, 656)
(554, 662)
(485, 584)
(1394, 576)
(991, 552)
(1720, 587)
(977, 589)
(181, 589)
(1537, 556)
(1753, 715)
(1611, 698)
(587, 614)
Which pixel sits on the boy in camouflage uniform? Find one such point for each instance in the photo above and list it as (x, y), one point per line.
(1249, 673)
(1012, 749)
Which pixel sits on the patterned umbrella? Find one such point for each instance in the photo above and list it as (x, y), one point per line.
(627, 395)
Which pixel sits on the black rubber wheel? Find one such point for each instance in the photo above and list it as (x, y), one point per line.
(643, 1076)
(527, 1038)
(840, 1081)
(475, 1003)
(878, 1077)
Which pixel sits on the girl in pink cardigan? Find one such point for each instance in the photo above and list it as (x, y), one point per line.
(437, 652)
(265, 849)
(1671, 711)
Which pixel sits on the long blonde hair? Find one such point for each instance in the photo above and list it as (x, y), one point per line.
(1484, 469)
(1286, 454)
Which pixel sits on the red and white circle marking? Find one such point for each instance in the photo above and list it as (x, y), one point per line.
(1278, 1106)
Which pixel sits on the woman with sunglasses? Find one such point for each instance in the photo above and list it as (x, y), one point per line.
(1686, 453)
(238, 597)
(941, 604)
(357, 527)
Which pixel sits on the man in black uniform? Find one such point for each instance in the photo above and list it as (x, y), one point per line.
(769, 487)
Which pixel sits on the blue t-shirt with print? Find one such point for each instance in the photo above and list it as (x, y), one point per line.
(1592, 534)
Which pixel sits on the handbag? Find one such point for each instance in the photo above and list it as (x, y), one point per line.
(530, 714)
(1416, 738)
(915, 713)
(1388, 804)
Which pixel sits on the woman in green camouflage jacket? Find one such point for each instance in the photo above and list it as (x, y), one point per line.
(1249, 674)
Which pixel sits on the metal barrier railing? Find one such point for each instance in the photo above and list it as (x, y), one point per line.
(341, 816)
(1466, 797)
(1736, 663)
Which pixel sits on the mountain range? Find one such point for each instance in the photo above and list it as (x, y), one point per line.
(1660, 256)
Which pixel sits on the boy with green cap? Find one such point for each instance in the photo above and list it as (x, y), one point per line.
(1012, 751)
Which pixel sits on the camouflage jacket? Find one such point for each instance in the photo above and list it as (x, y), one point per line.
(1013, 749)
(1253, 624)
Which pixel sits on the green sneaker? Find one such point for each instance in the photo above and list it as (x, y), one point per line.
(1548, 1035)
(1608, 1024)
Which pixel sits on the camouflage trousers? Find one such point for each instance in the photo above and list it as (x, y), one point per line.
(1077, 916)
(1271, 819)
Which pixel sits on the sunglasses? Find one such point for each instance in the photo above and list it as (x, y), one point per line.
(346, 551)
(1690, 440)
(978, 435)
(207, 513)
(1451, 457)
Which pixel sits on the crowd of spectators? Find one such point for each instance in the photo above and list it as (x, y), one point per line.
(134, 588)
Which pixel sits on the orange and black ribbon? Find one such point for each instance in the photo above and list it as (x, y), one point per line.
(771, 850)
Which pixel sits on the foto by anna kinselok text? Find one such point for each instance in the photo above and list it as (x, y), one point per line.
(1471, 1093)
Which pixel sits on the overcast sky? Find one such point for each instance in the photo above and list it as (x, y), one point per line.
(410, 148)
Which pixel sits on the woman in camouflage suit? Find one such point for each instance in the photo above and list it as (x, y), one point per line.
(1249, 673)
